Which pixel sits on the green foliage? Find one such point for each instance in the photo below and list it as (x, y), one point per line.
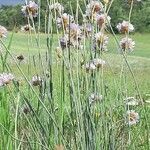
(140, 15)
(11, 15)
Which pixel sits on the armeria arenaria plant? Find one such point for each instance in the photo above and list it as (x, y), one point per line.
(73, 93)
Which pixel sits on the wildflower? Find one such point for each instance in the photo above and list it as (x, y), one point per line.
(75, 34)
(36, 81)
(125, 27)
(74, 29)
(90, 66)
(64, 41)
(26, 28)
(132, 117)
(127, 44)
(30, 9)
(57, 7)
(5, 78)
(99, 62)
(101, 40)
(3, 32)
(64, 20)
(20, 57)
(94, 97)
(131, 101)
(93, 8)
(94, 64)
(102, 19)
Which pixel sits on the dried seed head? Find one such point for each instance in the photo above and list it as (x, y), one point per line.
(20, 57)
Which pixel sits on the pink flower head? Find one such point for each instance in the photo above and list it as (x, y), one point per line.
(101, 19)
(5, 78)
(3, 32)
(125, 27)
(93, 8)
(30, 9)
(132, 117)
(127, 44)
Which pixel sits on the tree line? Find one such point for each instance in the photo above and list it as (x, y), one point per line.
(11, 16)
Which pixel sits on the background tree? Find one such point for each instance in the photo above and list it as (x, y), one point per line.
(11, 16)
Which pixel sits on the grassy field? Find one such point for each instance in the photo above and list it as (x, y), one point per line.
(139, 59)
(21, 43)
(68, 119)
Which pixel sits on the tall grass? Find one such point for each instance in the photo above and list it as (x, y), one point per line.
(57, 114)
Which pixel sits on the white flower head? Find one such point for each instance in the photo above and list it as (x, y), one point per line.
(102, 19)
(93, 8)
(74, 30)
(99, 62)
(90, 66)
(3, 32)
(131, 101)
(30, 9)
(57, 7)
(64, 20)
(125, 27)
(27, 28)
(95, 97)
(132, 117)
(127, 44)
(64, 41)
(5, 78)
(101, 40)
(36, 80)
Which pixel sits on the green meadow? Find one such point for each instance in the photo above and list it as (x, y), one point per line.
(60, 115)
(23, 41)
(139, 59)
